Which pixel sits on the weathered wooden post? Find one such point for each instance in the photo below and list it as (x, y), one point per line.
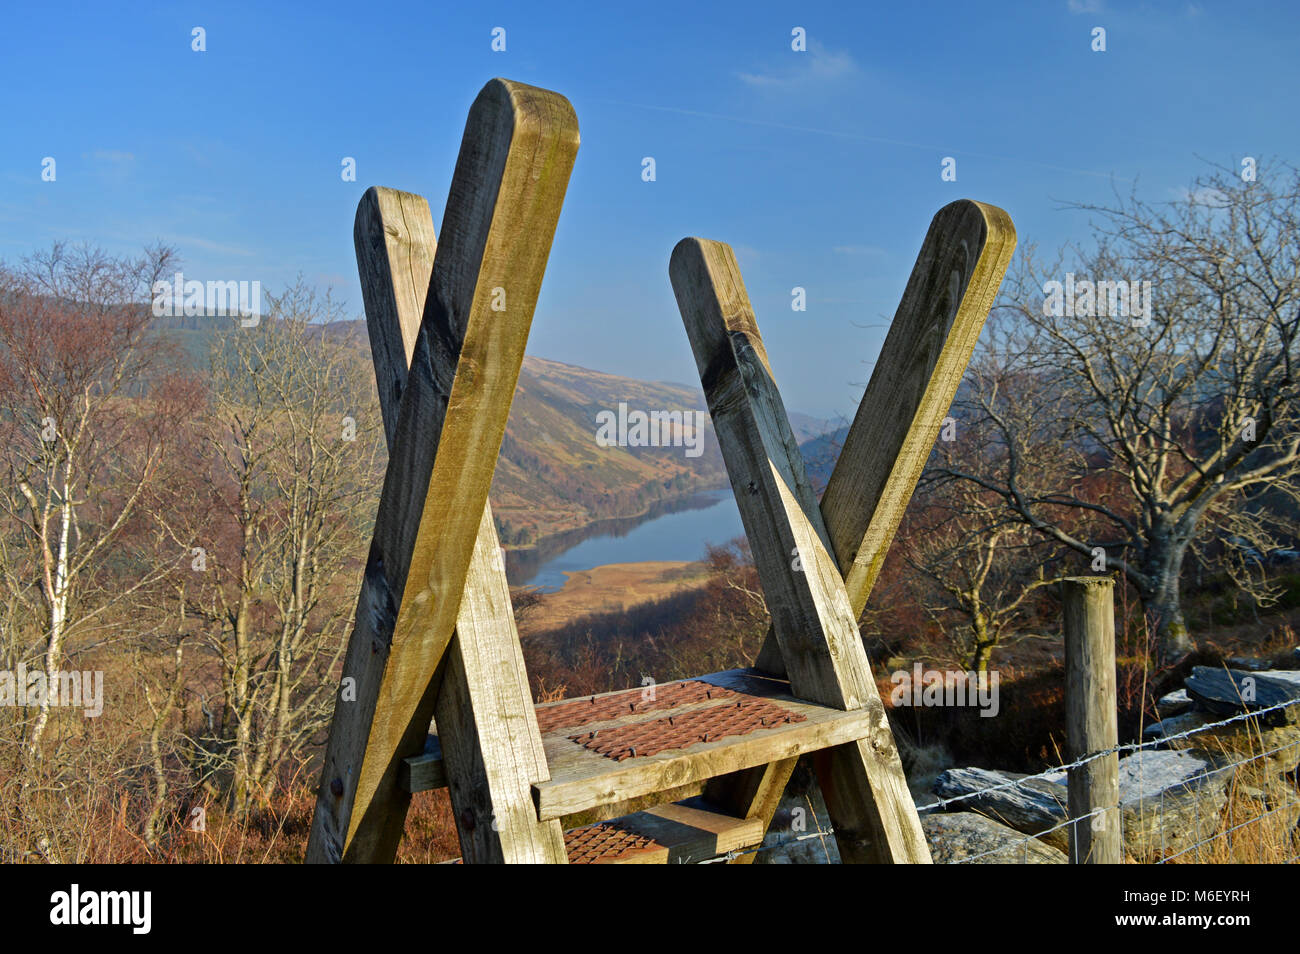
(1090, 720)
(518, 149)
(954, 282)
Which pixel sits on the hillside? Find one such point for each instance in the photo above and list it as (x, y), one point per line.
(553, 474)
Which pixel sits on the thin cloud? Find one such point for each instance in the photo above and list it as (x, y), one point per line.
(1206, 195)
(815, 67)
(858, 137)
(1085, 6)
(109, 155)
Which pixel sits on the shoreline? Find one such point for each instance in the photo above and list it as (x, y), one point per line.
(664, 505)
(612, 588)
(526, 560)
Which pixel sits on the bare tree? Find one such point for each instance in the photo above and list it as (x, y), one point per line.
(89, 403)
(294, 429)
(1122, 434)
(976, 571)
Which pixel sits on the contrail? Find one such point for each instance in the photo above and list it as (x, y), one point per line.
(861, 138)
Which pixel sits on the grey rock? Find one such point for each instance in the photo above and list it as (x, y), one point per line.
(964, 837)
(1174, 703)
(1168, 799)
(793, 839)
(1226, 692)
(1032, 806)
(1276, 749)
(1285, 675)
(1176, 725)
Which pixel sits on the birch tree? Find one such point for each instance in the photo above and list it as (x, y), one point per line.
(89, 402)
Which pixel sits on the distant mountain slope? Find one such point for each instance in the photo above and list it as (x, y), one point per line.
(553, 475)
(820, 454)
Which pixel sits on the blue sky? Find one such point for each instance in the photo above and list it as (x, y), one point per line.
(821, 168)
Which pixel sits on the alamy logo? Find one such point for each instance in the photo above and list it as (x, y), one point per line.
(68, 689)
(1107, 299)
(655, 429)
(934, 687)
(172, 299)
(133, 908)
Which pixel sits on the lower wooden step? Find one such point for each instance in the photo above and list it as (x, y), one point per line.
(681, 833)
(669, 834)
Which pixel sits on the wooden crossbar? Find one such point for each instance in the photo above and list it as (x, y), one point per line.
(505, 197)
(676, 834)
(962, 261)
(494, 761)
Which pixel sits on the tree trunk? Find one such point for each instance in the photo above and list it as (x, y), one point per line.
(57, 602)
(1163, 606)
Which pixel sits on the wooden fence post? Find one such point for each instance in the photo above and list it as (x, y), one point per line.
(1090, 719)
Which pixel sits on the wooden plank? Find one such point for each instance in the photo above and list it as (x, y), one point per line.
(493, 748)
(516, 156)
(395, 246)
(754, 793)
(487, 730)
(813, 619)
(685, 833)
(1090, 719)
(426, 771)
(947, 298)
(582, 779)
(689, 833)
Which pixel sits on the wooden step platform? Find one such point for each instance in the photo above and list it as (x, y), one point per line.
(686, 832)
(680, 833)
(612, 748)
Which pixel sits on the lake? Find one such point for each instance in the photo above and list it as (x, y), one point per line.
(677, 530)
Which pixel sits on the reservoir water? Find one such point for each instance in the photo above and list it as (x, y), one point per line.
(680, 533)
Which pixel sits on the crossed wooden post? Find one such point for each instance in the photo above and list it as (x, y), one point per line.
(840, 544)
(435, 636)
(445, 418)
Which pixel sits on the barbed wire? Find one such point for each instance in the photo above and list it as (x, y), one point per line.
(941, 803)
(1023, 844)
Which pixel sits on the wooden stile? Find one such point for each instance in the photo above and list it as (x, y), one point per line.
(435, 634)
